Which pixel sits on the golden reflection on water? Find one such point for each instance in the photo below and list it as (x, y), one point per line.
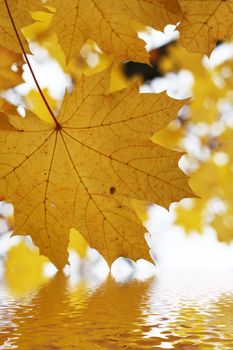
(170, 311)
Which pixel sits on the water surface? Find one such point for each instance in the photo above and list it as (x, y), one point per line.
(170, 311)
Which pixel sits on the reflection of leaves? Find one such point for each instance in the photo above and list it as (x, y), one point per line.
(102, 319)
(221, 319)
(189, 326)
(200, 327)
(82, 173)
(116, 316)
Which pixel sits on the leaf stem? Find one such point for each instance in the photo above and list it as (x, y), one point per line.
(30, 68)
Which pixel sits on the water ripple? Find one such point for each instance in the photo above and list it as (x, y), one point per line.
(171, 311)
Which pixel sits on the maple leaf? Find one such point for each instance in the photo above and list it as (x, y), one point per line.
(18, 10)
(9, 78)
(172, 6)
(33, 101)
(110, 25)
(82, 171)
(205, 22)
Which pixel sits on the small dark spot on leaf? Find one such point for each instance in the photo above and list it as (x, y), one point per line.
(45, 173)
(112, 190)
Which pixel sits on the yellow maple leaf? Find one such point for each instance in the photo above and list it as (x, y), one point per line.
(9, 77)
(141, 209)
(17, 11)
(82, 170)
(172, 6)
(38, 31)
(33, 100)
(110, 26)
(205, 22)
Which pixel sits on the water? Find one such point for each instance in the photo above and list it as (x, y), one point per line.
(169, 311)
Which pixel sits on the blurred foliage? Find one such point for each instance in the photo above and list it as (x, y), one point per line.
(78, 243)
(24, 269)
(208, 121)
